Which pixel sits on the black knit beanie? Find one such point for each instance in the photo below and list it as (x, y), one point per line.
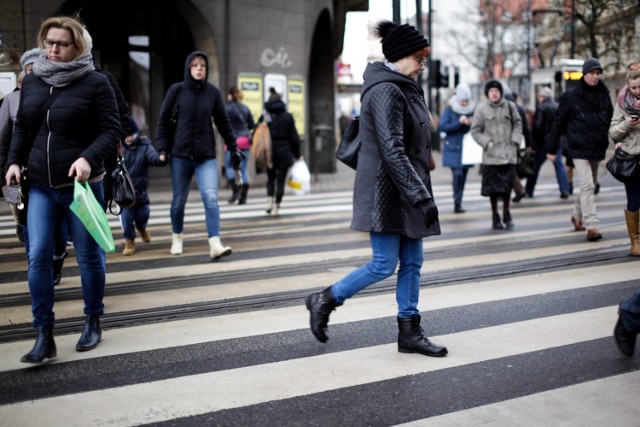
(399, 41)
(493, 83)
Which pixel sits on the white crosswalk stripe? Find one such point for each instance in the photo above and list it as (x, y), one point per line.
(527, 316)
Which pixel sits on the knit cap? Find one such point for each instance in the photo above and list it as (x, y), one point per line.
(399, 41)
(463, 92)
(591, 64)
(29, 57)
(491, 84)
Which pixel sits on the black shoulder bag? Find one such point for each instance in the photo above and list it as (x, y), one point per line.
(123, 192)
(350, 143)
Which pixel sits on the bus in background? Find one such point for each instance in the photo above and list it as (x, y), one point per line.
(559, 78)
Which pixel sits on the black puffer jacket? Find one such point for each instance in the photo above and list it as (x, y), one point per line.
(83, 121)
(285, 142)
(198, 102)
(543, 122)
(392, 178)
(583, 116)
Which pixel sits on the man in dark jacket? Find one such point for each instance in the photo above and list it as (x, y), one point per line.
(583, 116)
(543, 123)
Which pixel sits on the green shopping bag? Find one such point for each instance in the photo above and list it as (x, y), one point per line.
(87, 208)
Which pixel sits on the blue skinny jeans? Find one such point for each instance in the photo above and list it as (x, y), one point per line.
(206, 173)
(388, 249)
(46, 208)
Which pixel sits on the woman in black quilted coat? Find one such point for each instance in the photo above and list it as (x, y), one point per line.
(392, 199)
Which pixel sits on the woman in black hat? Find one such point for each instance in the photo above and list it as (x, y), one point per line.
(497, 127)
(392, 198)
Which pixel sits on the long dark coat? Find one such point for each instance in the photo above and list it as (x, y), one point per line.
(392, 178)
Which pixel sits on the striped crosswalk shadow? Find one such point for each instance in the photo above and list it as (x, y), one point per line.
(527, 316)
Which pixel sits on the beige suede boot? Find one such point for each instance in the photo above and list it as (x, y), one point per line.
(632, 228)
(129, 247)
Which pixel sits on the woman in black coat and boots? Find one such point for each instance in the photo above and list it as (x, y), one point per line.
(285, 147)
(392, 198)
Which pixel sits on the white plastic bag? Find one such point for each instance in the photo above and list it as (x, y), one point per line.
(471, 150)
(300, 178)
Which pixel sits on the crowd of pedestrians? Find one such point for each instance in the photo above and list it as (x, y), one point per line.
(68, 121)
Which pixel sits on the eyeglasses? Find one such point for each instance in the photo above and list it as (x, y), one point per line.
(421, 61)
(62, 45)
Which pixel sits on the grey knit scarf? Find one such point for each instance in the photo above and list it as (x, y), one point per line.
(61, 74)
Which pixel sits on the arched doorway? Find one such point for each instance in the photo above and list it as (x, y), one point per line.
(322, 97)
(143, 43)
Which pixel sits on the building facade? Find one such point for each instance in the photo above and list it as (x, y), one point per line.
(290, 45)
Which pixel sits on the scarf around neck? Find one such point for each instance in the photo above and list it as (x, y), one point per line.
(628, 102)
(61, 74)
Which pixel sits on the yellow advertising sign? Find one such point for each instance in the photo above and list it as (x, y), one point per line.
(251, 87)
(296, 103)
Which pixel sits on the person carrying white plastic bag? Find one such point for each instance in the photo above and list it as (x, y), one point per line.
(300, 178)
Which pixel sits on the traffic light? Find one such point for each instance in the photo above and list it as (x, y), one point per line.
(438, 77)
(434, 73)
(444, 77)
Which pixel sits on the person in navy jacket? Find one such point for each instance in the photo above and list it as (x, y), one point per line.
(456, 122)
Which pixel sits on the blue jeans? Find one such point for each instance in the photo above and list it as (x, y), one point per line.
(46, 207)
(633, 194)
(228, 166)
(459, 181)
(387, 250)
(206, 173)
(630, 310)
(561, 172)
(135, 217)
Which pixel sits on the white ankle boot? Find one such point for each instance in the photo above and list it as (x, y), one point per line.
(276, 208)
(269, 205)
(176, 244)
(216, 250)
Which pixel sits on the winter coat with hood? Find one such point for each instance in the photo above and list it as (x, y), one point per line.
(450, 124)
(197, 102)
(285, 142)
(83, 122)
(393, 182)
(500, 123)
(138, 156)
(583, 116)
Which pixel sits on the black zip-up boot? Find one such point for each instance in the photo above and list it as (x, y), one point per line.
(320, 306)
(234, 189)
(497, 224)
(411, 338)
(508, 221)
(91, 333)
(243, 194)
(44, 348)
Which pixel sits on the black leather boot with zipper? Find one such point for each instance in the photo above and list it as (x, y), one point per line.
(411, 338)
(44, 348)
(320, 306)
(91, 333)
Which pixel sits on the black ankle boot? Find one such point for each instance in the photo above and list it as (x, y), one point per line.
(320, 306)
(44, 348)
(508, 222)
(243, 194)
(234, 189)
(497, 224)
(625, 339)
(91, 333)
(411, 338)
(57, 269)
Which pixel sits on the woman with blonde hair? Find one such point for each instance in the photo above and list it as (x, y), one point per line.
(80, 130)
(625, 132)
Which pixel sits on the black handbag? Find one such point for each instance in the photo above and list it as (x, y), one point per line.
(350, 143)
(123, 192)
(622, 165)
(526, 164)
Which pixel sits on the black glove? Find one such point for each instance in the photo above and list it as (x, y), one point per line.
(236, 159)
(430, 211)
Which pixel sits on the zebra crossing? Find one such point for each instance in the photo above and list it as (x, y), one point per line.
(527, 316)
